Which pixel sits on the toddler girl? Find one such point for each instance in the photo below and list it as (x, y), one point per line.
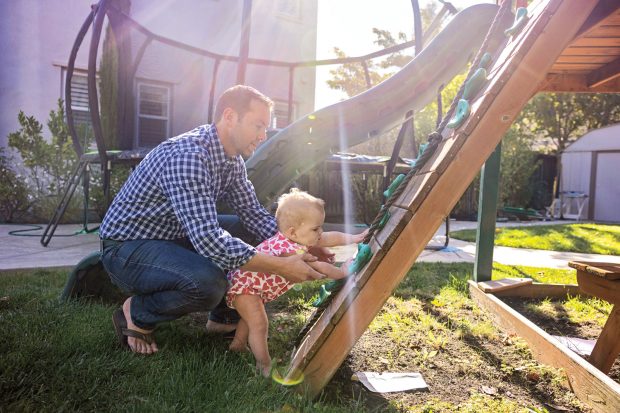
(300, 219)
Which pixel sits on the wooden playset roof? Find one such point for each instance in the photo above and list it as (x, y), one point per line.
(591, 61)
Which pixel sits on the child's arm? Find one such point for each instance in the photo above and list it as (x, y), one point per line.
(328, 269)
(335, 238)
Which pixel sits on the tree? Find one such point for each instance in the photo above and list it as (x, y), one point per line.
(558, 119)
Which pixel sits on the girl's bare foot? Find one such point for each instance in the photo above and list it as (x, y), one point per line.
(135, 344)
(265, 370)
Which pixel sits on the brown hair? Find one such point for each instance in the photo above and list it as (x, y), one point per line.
(292, 208)
(238, 98)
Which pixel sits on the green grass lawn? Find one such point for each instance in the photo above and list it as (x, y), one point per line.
(584, 238)
(63, 356)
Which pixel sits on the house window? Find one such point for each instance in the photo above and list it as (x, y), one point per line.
(280, 114)
(153, 114)
(79, 99)
(79, 106)
(290, 9)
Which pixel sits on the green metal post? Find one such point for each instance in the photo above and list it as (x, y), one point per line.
(487, 212)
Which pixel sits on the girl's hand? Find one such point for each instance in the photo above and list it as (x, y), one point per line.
(357, 238)
(346, 265)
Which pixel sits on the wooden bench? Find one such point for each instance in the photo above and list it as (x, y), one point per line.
(602, 280)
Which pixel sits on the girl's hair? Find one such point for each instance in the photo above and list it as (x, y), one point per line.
(293, 207)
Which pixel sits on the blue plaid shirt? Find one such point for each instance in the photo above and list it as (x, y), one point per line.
(173, 194)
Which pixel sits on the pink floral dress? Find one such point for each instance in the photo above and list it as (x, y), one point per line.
(267, 286)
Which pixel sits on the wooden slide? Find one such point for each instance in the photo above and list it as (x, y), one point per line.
(514, 75)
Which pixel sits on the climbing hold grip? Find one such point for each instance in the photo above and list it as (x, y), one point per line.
(364, 253)
(485, 60)
(462, 112)
(521, 18)
(395, 183)
(475, 83)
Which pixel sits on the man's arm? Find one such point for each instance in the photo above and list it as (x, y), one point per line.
(333, 272)
(241, 196)
(295, 268)
(186, 182)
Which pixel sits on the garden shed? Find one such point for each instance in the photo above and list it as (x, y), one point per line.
(590, 169)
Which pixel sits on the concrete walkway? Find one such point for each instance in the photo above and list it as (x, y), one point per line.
(25, 252)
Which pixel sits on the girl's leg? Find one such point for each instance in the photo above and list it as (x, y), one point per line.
(252, 310)
(240, 342)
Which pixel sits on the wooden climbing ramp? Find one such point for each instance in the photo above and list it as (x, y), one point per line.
(514, 75)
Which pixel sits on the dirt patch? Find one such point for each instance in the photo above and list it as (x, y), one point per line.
(469, 370)
(559, 324)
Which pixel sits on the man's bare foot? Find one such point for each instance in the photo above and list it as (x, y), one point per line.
(135, 344)
(219, 328)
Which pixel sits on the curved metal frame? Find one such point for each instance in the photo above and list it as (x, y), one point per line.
(97, 16)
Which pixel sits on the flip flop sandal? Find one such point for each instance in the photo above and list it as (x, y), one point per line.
(122, 332)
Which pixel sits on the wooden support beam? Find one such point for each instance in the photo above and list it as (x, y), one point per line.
(604, 74)
(588, 383)
(576, 84)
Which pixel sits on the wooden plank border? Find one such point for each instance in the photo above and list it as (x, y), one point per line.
(588, 383)
(541, 290)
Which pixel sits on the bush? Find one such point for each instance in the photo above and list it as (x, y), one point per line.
(13, 191)
(47, 166)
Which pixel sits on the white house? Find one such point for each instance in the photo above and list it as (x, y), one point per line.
(171, 86)
(591, 167)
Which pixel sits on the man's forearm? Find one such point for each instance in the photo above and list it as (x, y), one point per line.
(265, 263)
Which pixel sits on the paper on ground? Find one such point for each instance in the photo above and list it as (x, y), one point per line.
(580, 346)
(391, 382)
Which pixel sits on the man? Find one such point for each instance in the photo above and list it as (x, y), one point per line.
(162, 239)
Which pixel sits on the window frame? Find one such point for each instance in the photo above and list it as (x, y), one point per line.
(168, 117)
(283, 105)
(287, 16)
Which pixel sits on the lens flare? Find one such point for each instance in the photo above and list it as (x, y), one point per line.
(293, 378)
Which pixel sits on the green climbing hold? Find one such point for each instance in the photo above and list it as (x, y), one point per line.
(364, 253)
(395, 183)
(384, 219)
(521, 18)
(323, 295)
(462, 112)
(334, 285)
(475, 83)
(485, 60)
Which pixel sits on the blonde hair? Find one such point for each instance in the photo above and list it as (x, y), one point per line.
(293, 207)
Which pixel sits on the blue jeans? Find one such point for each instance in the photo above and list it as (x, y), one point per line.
(169, 279)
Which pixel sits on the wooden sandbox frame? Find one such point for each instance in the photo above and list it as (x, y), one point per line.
(589, 384)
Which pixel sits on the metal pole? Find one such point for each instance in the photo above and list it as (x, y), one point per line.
(244, 47)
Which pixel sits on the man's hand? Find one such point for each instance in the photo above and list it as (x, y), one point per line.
(294, 268)
(298, 270)
(322, 254)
